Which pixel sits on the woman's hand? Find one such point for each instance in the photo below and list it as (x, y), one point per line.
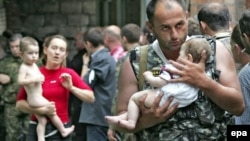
(66, 81)
(49, 109)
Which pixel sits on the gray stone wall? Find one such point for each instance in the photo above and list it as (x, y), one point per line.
(41, 17)
(66, 17)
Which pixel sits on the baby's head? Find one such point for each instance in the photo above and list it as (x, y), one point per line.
(29, 49)
(192, 49)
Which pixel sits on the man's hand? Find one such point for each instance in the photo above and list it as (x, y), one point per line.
(4, 79)
(86, 58)
(189, 72)
(155, 114)
(111, 135)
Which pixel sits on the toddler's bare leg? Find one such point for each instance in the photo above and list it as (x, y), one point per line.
(41, 127)
(59, 125)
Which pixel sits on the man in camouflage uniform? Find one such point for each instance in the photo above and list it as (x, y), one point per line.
(205, 119)
(3, 45)
(16, 122)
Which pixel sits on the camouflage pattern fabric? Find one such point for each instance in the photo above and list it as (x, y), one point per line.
(224, 37)
(16, 122)
(123, 136)
(10, 66)
(200, 121)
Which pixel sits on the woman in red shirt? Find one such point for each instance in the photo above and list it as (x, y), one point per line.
(59, 81)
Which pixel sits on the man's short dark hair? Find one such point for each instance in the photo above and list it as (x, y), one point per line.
(244, 22)
(151, 7)
(215, 15)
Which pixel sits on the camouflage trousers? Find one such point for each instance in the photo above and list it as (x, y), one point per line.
(16, 123)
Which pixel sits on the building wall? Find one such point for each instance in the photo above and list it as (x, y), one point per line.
(2, 17)
(42, 17)
(236, 7)
(66, 17)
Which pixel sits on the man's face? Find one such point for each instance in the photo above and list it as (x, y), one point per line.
(79, 43)
(15, 47)
(170, 26)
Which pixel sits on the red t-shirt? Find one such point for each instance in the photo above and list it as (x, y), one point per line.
(54, 91)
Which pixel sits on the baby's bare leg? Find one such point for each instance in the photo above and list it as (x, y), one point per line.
(41, 127)
(133, 109)
(114, 120)
(129, 118)
(59, 125)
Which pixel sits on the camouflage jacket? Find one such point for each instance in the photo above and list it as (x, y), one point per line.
(202, 120)
(10, 66)
(225, 38)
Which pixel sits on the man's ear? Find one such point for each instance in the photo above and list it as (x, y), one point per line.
(124, 39)
(203, 25)
(88, 43)
(237, 49)
(150, 26)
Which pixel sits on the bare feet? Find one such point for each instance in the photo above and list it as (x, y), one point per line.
(68, 131)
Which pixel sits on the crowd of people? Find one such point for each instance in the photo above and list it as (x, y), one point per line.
(130, 83)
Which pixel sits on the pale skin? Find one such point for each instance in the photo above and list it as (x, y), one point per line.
(56, 54)
(129, 119)
(169, 25)
(31, 78)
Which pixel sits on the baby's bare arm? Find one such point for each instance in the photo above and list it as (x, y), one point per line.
(154, 81)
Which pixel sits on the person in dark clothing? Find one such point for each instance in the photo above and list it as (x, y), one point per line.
(75, 104)
(99, 71)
